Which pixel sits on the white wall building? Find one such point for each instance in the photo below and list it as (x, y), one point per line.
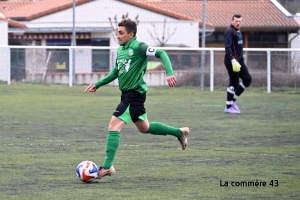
(93, 18)
(4, 56)
(95, 15)
(295, 44)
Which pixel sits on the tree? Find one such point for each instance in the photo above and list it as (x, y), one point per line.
(163, 40)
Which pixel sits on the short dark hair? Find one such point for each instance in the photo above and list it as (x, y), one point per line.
(130, 25)
(236, 16)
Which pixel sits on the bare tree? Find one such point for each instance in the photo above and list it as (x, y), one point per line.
(36, 61)
(164, 39)
(114, 23)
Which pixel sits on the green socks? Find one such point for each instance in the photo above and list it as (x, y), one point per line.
(113, 140)
(112, 144)
(157, 128)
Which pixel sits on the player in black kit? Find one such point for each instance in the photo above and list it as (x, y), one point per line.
(234, 62)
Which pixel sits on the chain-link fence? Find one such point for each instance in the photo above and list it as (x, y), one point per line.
(272, 70)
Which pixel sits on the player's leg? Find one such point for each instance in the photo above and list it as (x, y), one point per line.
(139, 117)
(120, 117)
(246, 81)
(112, 141)
(157, 128)
(233, 84)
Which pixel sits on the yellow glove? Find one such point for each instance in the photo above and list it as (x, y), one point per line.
(236, 67)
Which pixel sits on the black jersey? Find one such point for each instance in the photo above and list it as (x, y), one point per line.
(233, 45)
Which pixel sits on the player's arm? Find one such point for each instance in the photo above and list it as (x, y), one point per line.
(107, 79)
(236, 67)
(158, 53)
(228, 37)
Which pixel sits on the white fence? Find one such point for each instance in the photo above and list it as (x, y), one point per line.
(271, 69)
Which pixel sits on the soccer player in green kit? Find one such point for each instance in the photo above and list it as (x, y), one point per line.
(130, 67)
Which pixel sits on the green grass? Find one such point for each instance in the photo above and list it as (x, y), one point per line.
(46, 131)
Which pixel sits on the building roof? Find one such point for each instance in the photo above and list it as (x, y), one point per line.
(33, 10)
(8, 6)
(162, 8)
(12, 23)
(15, 24)
(256, 13)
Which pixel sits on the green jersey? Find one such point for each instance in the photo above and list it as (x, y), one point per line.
(131, 66)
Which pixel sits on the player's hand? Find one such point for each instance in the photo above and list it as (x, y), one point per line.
(236, 67)
(90, 88)
(171, 81)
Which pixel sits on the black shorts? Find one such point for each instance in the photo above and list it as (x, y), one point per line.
(234, 77)
(131, 107)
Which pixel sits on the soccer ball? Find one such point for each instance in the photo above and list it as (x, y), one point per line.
(87, 171)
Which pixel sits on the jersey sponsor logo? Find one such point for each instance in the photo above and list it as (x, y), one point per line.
(130, 52)
(123, 65)
(240, 42)
(150, 51)
(127, 65)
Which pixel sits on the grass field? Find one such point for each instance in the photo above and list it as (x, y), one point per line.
(45, 131)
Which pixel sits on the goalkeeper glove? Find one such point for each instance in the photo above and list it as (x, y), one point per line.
(236, 67)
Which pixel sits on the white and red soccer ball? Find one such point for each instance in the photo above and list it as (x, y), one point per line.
(87, 171)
